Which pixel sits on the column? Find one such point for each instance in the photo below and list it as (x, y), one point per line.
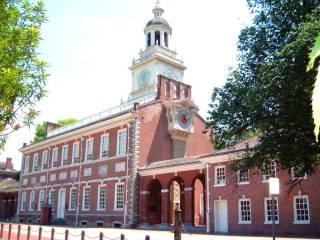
(162, 38)
(188, 192)
(164, 206)
(152, 38)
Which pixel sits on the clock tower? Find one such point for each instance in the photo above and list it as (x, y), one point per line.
(157, 58)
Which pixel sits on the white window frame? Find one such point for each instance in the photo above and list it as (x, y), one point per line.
(239, 178)
(266, 176)
(296, 221)
(98, 199)
(35, 162)
(55, 150)
(75, 154)
(240, 221)
(83, 198)
(293, 177)
(44, 164)
(266, 221)
(54, 197)
(107, 146)
(70, 199)
(23, 201)
(216, 183)
(87, 153)
(26, 164)
(32, 199)
(64, 155)
(41, 193)
(116, 196)
(120, 131)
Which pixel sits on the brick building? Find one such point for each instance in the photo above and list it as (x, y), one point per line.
(130, 165)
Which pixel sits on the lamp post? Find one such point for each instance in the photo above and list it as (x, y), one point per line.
(273, 190)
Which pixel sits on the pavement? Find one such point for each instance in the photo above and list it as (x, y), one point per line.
(114, 234)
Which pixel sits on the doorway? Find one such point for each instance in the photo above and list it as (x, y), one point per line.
(154, 209)
(220, 216)
(61, 203)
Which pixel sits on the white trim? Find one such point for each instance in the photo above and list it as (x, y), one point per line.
(39, 200)
(115, 196)
(144, 192)
(98, 199)
(295, 210)
(35, 157)
(294, 178)
(265, 176)
(216, 176)
(238, 178)
(266, 221)
(240, 221)
(43, 153)
(86, 152)
(26, 164)
(83, 198)
(125, 142)
(102, 136)
(34, 198)
(73, 155)
(66, 146)
(23, 197)
(70, 191)
(53, 205)
(57, 151)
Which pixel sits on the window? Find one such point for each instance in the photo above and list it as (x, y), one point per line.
(298, 174)
(64, 155)
(43, 178)
(26, 164)
(51, 198)
(86, 198)
(272, 172)
(23, 201)
(119, 196)
(41, 200)
(33, 180)
(102, 197)
(44, 160)
(53, 177)
(25, 181)
(301, 210)
(74, 174)
(31, 202)
(72, 199)
(122, 142)
(89, 149)
(75, 152)
(220, 176)
(268, 210)
(87, 172)
(54, 158)
(120, 167)
(103, 170)
(243, 176)
(104, 146)
(244, 206)
(35, 162)
(62, 175)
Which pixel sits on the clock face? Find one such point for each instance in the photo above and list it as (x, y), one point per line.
(144, 77)
(184, 118)
(170, 74)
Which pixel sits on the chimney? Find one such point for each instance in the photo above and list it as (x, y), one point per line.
(9, 165)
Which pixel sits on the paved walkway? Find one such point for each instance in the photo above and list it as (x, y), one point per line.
(114, 234)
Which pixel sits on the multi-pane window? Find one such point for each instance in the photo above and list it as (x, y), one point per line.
(23, 201)
(103, 170)
(102, 197)
(86, 198)
(31, 202)
(54, 158)
(51, 198)
(89, 149)
(43, 178)
(243, 176)
(119, 196)
(120, 167)
(271, 172)
(122, 142)
(26, 164)
(35, 162)
(220, 175)
(298, 174)
(64, 155)
(244, 211)
(41, 200)
(72, 199)
(104, 146)
(74, 174)
(268, 210)
(301, 209)
(75, 152)
(44, 160)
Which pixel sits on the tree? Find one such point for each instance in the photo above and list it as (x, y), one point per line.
(22, 73)
(41, 129)
(269, 92)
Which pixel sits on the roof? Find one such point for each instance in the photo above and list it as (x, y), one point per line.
(9, 185)
(158, 21)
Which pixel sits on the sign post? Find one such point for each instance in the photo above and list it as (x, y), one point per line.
(274, 188)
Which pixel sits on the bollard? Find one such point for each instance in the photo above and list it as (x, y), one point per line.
(147, 237)
(101, 236)
(177, 223)
(10, 229)
(28, 233)
(1, 230)
(18, 233)
(52, 234)
(66, 235)
(122, 237)
(40, 233)
(83, 235)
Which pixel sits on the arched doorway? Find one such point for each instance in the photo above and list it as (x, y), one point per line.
(199, 201)
(176, 198)
(154, 208)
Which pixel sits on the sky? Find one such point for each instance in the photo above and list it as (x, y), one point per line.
(89, 46)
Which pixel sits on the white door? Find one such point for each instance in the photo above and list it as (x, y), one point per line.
(61, 203)
(220, 216)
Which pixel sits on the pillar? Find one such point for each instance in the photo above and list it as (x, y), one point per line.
(164, 206)
(188, 205)
(162, 38)
(153, 38)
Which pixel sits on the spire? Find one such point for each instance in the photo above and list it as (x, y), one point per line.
(157, 10)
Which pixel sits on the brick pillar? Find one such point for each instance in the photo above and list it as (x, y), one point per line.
(144, 198)
(165, 208)
(188, 205)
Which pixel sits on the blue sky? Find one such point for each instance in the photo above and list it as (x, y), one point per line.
(89, 46)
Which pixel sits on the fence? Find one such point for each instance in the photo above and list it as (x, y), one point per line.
(14, 232)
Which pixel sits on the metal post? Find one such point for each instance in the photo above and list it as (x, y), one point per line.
(273, 218)
(147, 237)
(40, 233)
(10, 229)
(122, 237)
(52, 233)
(101, 236)
(18, 233)
(177, 223)
(83, 235)
(66, 235)
(1, 230)
(28, 233)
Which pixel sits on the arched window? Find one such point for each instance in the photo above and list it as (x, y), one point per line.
(149, 40)
(166, 39)
(157, 38)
